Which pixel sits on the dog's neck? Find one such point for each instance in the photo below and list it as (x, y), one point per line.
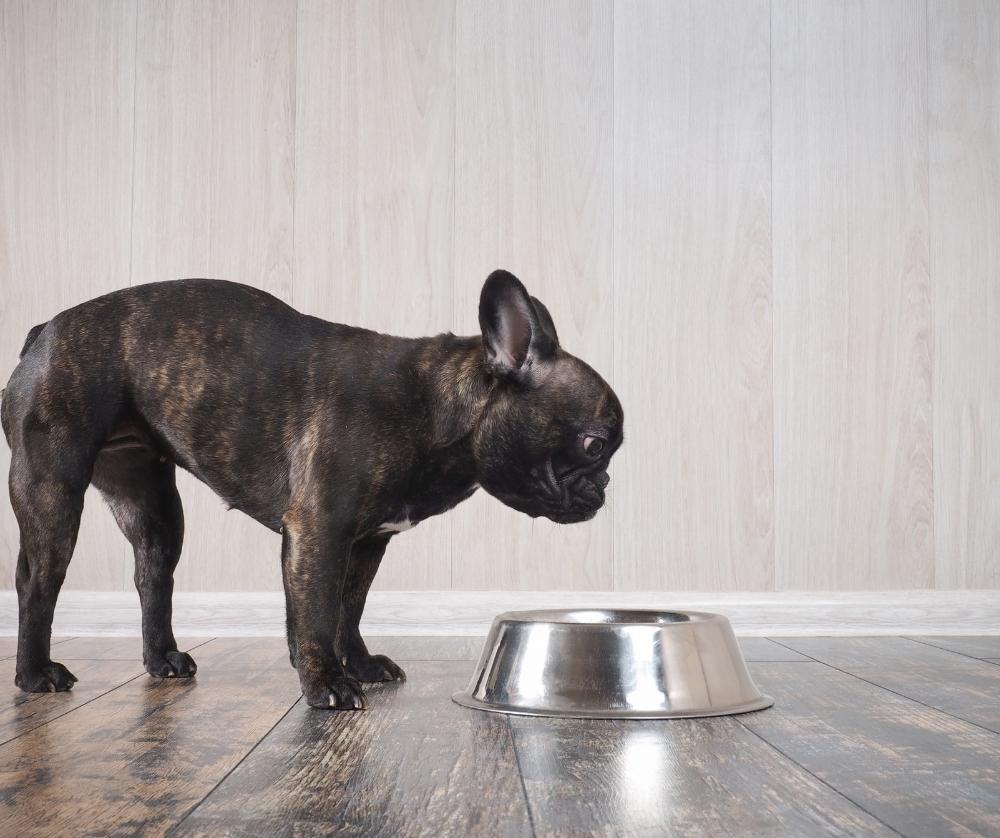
(452, 372)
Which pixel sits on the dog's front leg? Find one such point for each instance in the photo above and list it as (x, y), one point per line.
(315, 557)
(359, 662)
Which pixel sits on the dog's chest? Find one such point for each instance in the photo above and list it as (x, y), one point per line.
(402, 525)
(412, 513)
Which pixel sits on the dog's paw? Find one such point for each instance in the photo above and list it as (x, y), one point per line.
(172, 664)
(341, 693)
(51, 677)
(371, 669)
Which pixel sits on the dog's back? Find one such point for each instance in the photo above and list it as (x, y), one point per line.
(180, 365)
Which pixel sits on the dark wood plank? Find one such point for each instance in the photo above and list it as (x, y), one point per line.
(8, 645)
(101, 664)
(138, 758)
(986, 647)
(21, 712)
(765, 649)
(962, 686)
(676, 777)
(916, 769)
(414, 764)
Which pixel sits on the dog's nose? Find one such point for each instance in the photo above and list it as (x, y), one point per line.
(602, 479)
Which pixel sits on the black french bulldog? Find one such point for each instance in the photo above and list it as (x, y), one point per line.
(334, 436)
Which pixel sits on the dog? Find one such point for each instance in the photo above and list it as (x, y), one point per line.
(334, 436)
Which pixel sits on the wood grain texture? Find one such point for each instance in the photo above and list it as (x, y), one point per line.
(219, 754)
(105, 667)
(66, 79)
(374, 193)
(679, 777)
(414, 764)
(964, 105)
(985, 648)
(533, 195)
(852, 310)
(917, 770)
(21, 712)
(962, 687)
(214, 148)
(92, 769)
(693, 296)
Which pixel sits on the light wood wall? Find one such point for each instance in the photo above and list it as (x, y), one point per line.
(774, 226)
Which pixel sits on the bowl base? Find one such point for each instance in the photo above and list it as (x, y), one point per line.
(467, 700)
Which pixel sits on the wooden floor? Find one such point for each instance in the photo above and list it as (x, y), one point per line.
(881, 736)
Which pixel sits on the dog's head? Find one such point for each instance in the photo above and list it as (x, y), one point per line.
(552, 424)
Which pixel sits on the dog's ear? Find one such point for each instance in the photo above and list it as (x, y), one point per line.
(545, 321)
(517, 330)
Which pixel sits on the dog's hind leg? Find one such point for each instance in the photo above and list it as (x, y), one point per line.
(141, 490)
(46, 491)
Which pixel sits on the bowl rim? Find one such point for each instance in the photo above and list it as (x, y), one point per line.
(559, 616)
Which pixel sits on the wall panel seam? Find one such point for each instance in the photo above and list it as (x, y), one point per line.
(932, 325)
(614, 267)
(770, 233)
(454, 224)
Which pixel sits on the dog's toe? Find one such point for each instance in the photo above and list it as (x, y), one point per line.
(374, 668)
(342, 693)
(172, 664)
(49, 678)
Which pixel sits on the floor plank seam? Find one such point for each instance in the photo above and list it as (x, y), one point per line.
(520, 777)
(785, 660)
(819, 779)
(900, 695)
(173, 829)
(89, 700)
(53, 643)
(951, 651)
(72, 709)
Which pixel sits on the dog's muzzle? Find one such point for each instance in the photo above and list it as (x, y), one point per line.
(575, 496)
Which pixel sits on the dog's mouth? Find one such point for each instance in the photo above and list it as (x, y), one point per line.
(566, 499)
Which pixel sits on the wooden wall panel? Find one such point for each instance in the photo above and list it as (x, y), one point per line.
(852, 337)
(533, 195)
(214, 155)
(965, 258)
(374, 192)
(66, 85)
(773, 226)
(692, 296)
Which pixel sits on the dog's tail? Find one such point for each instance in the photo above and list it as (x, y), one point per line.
(33, 333)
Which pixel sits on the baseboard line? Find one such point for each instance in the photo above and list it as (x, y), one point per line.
(786, 613)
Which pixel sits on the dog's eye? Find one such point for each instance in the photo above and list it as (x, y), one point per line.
(593, 445)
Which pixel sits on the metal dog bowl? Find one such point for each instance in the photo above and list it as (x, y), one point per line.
(612, 664)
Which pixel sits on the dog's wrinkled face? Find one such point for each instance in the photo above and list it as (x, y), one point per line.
(552, 425)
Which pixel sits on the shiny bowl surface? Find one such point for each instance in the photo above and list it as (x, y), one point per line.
(612, 664)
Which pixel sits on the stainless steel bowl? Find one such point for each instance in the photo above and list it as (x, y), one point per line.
(612, 664)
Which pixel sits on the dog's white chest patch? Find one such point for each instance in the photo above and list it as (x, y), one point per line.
(396, 526)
